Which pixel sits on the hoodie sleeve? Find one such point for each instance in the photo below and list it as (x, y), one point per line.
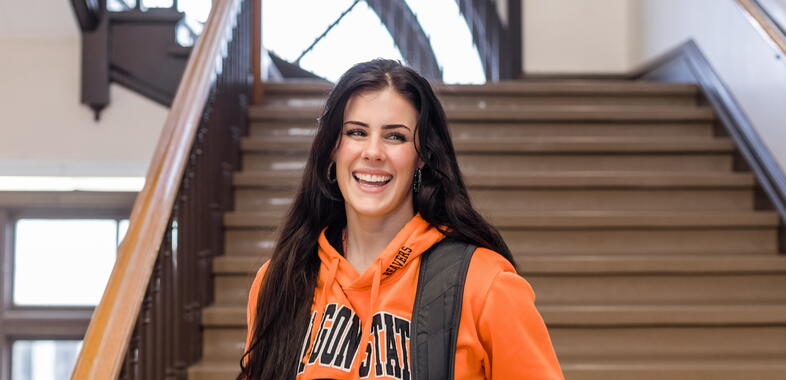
(513, 333)
(251, 309)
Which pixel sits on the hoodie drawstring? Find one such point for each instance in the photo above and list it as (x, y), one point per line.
(366, 334)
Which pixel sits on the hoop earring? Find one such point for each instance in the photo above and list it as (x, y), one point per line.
(417, 182)
(330, 168)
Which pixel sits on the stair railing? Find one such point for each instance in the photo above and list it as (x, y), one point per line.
(147, 325)
(774, 29)
(499, 45)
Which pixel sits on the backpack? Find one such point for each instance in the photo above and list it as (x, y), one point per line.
(437, 309)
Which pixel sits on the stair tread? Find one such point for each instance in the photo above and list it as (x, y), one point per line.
(531, 144)
(524, 113)
(574, 219)
(546, 178)
(663, 315)
(595, 315)
(540, 87)
(586, 264)
(657, 367)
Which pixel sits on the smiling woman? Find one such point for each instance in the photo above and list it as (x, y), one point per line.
(375, 165)
(381, 196)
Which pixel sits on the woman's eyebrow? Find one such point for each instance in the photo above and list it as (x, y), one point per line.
(394, 126)
(387, 126)
(362, 124)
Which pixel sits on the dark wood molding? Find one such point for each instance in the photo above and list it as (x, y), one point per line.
(686, 63)
(134, 48)
(515, 38)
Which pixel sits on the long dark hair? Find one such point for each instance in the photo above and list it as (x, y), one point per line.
(286, 294)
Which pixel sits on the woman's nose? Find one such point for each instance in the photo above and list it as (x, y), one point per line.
(372, 150)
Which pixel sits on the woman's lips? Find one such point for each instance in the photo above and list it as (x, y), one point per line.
(374, 185)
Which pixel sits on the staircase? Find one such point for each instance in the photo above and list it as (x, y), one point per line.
(618, 198)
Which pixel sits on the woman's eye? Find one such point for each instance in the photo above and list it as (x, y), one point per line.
(356, 132)
(398, 136)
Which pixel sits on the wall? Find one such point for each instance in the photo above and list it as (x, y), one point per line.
(576, 36)
(44, 130)
(744, 60)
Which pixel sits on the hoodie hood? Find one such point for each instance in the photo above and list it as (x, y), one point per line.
(416, 237)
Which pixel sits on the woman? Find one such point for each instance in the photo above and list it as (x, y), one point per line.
(380, 187)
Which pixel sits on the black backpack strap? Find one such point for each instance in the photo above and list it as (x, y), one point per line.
(437, 309)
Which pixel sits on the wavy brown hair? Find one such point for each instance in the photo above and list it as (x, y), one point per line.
(284, 303)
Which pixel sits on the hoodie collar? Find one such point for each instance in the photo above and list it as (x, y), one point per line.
(411, 241)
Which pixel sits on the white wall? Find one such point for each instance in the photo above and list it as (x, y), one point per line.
(576, 36)
(44, 130)
(739, 54)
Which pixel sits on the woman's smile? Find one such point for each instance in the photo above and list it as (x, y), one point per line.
(371, 181)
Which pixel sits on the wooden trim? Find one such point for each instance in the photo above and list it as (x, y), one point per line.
(515, 38)
(764, 24)
(686, 63)
(256, 52)
(110, 329)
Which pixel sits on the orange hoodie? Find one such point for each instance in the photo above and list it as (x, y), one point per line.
(501, 334)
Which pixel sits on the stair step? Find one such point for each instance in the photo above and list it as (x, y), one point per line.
(585, 264)
(573, 219)
(655, 343)
(658, 369)
(551, 144)
(542, 161)
(482, 130)
(620, 242)
(651, 264)
(539, 199)
(663, 315)
(586, 288)
(655, 369)
(551, 87)
(214, 370)
(583, 316)
(224, 316)
(519, 92)
(524, 113)
(544, 179)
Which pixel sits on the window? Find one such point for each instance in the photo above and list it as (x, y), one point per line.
(43, 359)
(56, 262)
(76, 255)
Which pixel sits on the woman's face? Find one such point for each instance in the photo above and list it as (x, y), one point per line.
(375, 156)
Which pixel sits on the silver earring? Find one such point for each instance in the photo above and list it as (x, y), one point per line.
(417, 181)
(330, 168)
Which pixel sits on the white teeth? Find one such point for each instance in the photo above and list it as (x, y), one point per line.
(372, 178)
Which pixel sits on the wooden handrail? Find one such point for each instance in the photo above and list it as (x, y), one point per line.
(108, 335)
(765, 24)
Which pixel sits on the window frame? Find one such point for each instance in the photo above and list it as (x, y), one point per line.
(22, 322)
